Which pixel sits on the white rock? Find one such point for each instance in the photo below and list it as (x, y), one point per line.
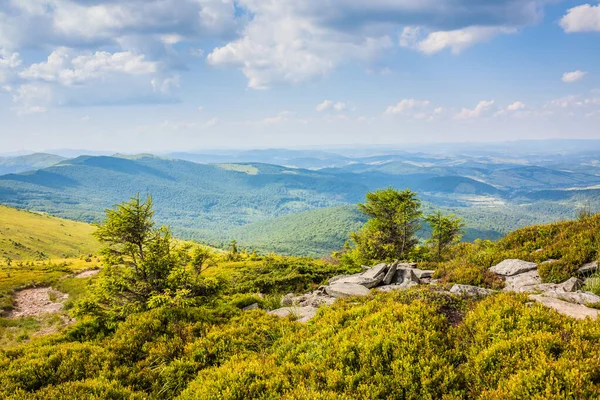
(359, 280)
(389, 288)
(524, 282)
(572, 310)
(338, 290)
(254, 306)
(423, 274)
(303, 314)
(513, 267)
(470, 290)
(574, 297)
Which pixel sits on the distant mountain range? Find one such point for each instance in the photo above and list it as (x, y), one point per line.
(15, 165)
(301, 205)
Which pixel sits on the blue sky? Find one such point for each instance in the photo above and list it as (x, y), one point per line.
(161, 75)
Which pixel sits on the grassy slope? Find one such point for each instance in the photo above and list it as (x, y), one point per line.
(311, 233)
(26, 235)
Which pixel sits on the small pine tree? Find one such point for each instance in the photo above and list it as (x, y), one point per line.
(445, 231)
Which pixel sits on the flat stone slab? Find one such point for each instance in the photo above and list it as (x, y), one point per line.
(423, 273)
(527, 281)
(513, 267)
(588, 268)
(358, 280)
(569, 309)
(574, 297)
(470, 290)
(338, 290)
(303, 314)
(390, 288)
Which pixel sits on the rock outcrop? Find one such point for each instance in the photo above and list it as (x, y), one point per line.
(566, 297)
(519, 276)
(382, 277)
(513, 267)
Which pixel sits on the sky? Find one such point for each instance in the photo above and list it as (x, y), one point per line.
(190, 75)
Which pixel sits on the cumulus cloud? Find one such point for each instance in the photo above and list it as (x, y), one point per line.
(339, 106)
(289, 41)
(516, 106)
(9, 62)
(584, 18)
(324, 105)
(456, 40)
(32, 98)
(71, 22)
(570, 77)
(406, 105)
(66, 69)
(483, 108)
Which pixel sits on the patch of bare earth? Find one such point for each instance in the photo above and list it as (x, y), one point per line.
(87, 274)
(37, 301)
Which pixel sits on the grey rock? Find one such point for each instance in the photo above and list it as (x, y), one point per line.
(389, 276)
(423, 274)
(376, 271)
(524, 282)
(588, 268)
(406, 275)
(338, 290)
(302, 314)
(470, 290)
(573, 297)
(389, 288)
(513, 267)
(287, 300)
(254, 306)
(359, 280)
(572, 285)
(314, 299)
(572, 310)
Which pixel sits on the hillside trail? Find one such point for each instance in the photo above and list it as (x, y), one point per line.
(37, 301)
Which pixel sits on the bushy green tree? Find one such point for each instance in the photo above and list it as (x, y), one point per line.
(143, 267)
(445, 231)
(389, 234)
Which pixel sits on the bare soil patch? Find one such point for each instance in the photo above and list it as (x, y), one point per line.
(87, 274)
(37, 301)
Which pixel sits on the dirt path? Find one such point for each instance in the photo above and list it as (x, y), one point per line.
(37, 301)
(87, 274)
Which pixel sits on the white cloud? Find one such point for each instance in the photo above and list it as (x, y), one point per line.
(584, 18)
(211, 122)
(339, 106)
(32, 98)
(570, 77)
(290, 41)
(64, 68)
(166, 85)
(324, 105)
(457, 40)
(516, 106)
(566, 102)
(482, 109)
(9, 61)
(406, 105)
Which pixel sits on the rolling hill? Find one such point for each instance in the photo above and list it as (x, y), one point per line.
(260, 204)
(31, 162)
(30, 236)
